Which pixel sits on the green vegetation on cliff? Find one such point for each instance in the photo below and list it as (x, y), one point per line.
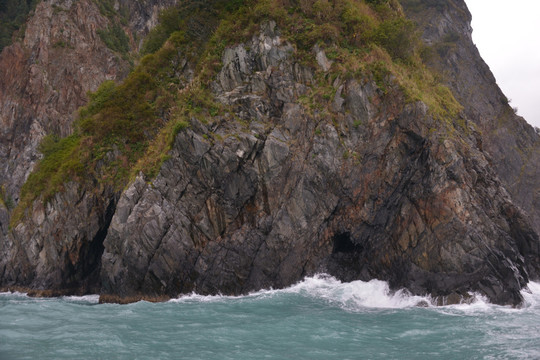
(130, 127)
(115, 38)
(5, 200)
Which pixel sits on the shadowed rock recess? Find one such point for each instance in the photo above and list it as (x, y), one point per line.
(274, 185)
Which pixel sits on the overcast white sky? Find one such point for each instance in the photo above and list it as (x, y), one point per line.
(507, 33)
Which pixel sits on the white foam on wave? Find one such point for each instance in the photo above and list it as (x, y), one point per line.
(194, 297)
(531, 294)
(531, 297)
(351, 296)
(94, 299)
(14, 293)
(357, 294)
(477, 304)
(374, 294)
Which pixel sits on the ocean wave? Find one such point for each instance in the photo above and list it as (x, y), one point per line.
(531, 294)
(375, 294)
(351, 296)
(14, 293)
(357, 294)
(93, 299)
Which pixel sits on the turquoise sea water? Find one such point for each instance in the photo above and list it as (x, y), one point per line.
(319, 318)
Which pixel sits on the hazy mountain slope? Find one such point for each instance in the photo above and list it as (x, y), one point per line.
(513, 145)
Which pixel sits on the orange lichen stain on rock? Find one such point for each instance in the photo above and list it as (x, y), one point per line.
(455, 200)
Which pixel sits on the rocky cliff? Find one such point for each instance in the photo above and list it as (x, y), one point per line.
(289, 156)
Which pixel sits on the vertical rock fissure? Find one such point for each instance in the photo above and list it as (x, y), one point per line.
(85, 274)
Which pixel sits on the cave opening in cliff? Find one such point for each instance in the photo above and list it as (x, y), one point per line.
(344, 244)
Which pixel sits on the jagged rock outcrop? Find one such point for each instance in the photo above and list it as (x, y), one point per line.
(239, 208)
(512, 145)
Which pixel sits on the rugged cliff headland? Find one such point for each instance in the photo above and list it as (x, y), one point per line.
(242, 145)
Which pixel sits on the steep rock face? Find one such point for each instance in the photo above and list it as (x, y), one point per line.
(366, 192)
(513, 145)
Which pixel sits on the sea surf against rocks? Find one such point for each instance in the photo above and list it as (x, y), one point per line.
(318, 318)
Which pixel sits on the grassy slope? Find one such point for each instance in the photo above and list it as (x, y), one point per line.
(129, 127)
